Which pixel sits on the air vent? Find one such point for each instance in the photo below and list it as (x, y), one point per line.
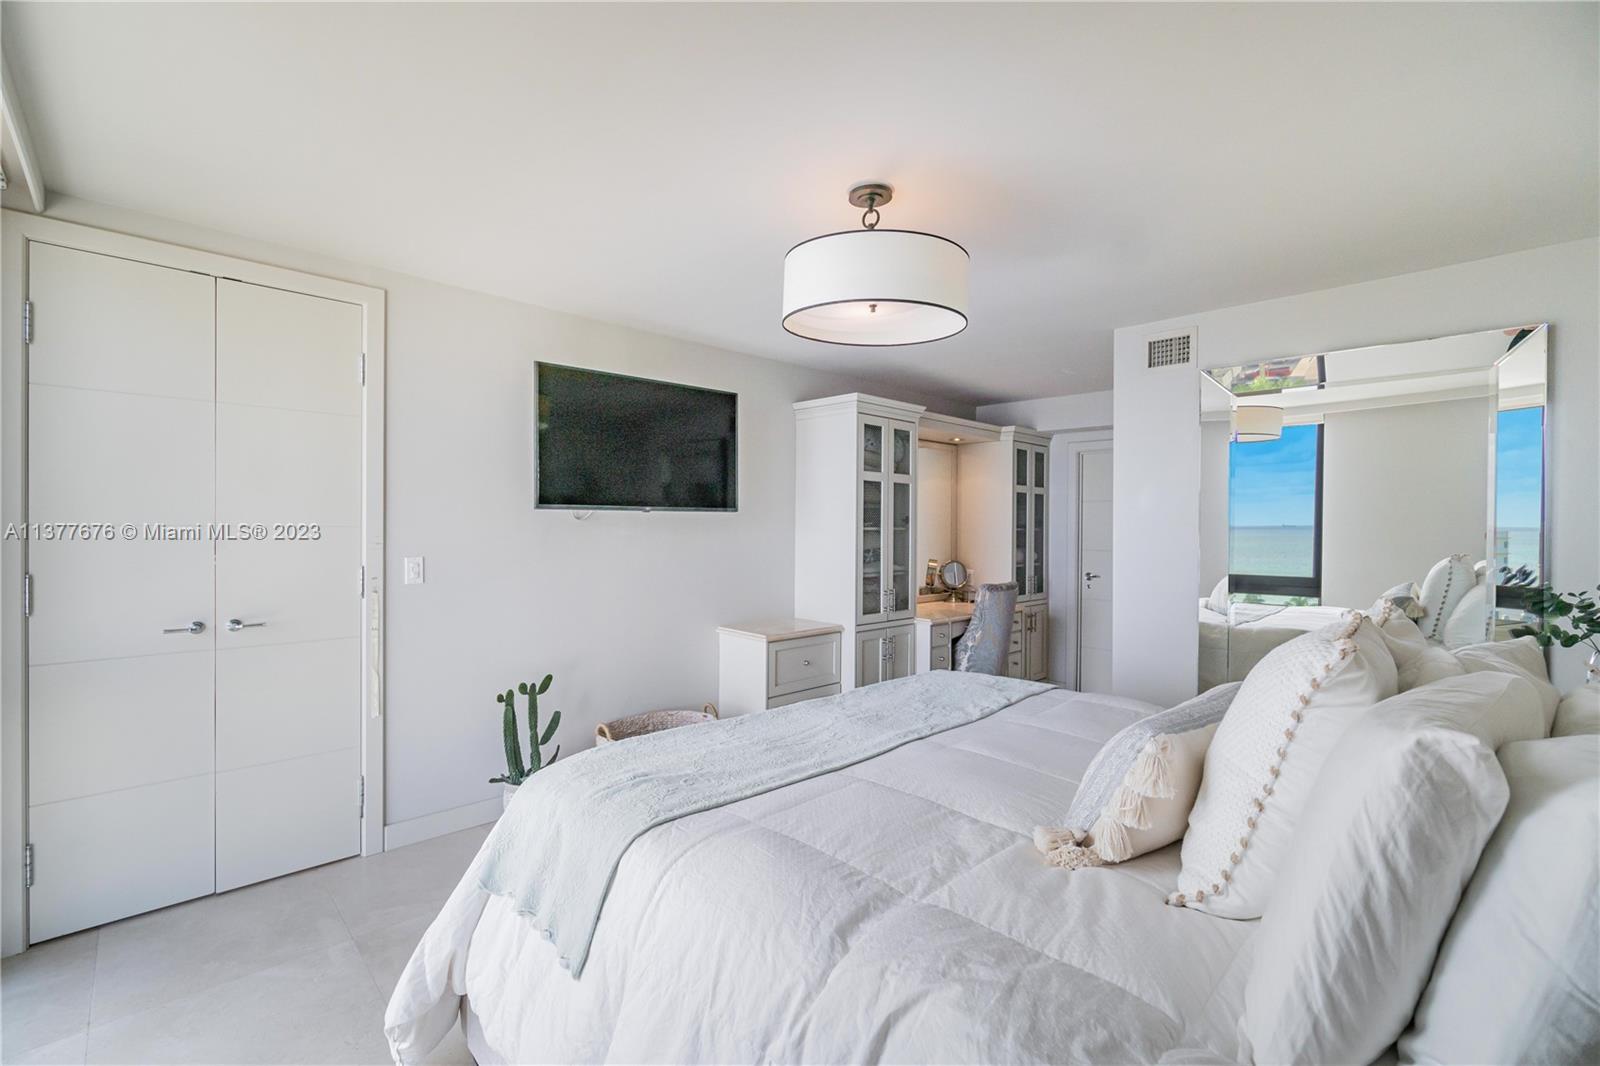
(1169, 351)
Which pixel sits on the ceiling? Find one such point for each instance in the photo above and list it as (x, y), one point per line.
(1104, 164)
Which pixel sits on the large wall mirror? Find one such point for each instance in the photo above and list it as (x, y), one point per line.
(1331, 480)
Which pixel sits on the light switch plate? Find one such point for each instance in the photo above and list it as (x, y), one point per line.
(414, 571)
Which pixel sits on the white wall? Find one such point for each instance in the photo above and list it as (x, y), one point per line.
(1402, 487)
(622, 608)
(936, 504)
(1083, 410)
(1157, 481)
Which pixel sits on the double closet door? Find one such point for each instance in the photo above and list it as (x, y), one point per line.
(195, 506)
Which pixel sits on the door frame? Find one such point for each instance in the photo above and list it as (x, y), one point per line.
(1073, 446)
(19, 230)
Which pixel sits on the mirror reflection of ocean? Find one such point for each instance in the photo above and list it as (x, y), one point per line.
(1286, 551)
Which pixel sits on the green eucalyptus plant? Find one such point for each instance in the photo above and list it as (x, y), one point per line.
(516, 770)
(1565, 618)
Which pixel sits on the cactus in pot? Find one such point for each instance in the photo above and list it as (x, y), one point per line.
(518, 771)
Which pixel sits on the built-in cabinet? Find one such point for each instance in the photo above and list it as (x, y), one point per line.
(1029, 656)
(855, 528)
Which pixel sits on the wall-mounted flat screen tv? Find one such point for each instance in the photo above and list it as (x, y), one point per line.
(609, 441)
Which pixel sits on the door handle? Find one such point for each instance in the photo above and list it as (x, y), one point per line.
(234, 625)
(196, 626)
(1088, 577)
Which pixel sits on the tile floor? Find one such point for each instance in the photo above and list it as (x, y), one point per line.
(296, 970)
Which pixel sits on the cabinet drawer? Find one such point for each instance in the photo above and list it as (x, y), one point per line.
(797, 665)
(939, 659)
(1014, 664)
(800, 697)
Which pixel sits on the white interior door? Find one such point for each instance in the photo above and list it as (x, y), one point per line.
(120, 431)
(1094, 570)
(288, 689)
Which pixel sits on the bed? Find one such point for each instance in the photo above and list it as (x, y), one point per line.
(1232, 643)
(893, 910)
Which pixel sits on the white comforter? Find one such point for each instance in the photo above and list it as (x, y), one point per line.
(895, 910)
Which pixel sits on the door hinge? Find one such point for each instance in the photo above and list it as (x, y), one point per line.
(27, 866)
(361, 368)
(27, 321)
(361, 797)
(27, 595)
(363, 580)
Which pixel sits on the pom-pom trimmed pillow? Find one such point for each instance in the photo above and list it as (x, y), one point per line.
(1442, 590)
(1291, 710)
(1136, 794)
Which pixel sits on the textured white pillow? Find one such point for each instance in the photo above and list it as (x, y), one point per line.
(1518, 974)
(1387, 841)
(1469, 622)
(1291, 710)
(1417, 662)
(1218, 600)
(1442, 589)
(1522, 657)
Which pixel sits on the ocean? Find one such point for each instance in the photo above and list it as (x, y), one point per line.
(1286, 551)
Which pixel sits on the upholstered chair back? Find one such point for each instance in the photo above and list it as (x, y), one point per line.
(984, 647)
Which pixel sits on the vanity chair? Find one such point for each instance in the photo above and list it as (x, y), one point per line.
(985, 646)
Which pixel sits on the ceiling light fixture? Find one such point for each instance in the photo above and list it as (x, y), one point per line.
(1254, 423)
(875, 286)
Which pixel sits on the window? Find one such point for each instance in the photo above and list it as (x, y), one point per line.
(1275, 518)
(1518, 503)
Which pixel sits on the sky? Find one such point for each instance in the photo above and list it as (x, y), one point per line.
(1274, 482)
(1519, 468)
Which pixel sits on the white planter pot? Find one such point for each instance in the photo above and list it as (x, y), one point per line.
(507, 794)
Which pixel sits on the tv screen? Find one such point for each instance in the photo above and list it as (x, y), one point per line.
(612, 441)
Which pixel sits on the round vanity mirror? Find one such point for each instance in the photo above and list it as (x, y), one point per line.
(953, 574)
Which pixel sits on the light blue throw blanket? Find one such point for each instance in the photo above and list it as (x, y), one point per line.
(556, 849)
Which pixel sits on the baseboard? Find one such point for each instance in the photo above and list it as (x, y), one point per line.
(416, 830)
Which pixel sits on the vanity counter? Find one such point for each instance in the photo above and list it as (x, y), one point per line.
(943, 611)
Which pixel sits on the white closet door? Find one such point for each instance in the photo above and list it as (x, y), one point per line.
(120, 428)
(288, 688)
(1094, 571)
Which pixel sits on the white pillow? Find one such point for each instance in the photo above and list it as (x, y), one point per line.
(1469, 622)
(1417, 662)
(1518, 974)
(1522, 657)
(1442, 589)
(1408, 597)
(1579, 713)
(1291, 710)
(1386, 843)
(1218, 600)
(1136, 794)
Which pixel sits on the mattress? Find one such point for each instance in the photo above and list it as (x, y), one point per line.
(895, 911)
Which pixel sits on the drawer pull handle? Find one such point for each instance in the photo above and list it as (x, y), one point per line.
(805, 662)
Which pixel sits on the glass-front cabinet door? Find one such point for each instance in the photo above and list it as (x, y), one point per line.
(1028, 510)
(885, 537)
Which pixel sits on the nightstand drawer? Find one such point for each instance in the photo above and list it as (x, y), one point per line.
(798, 665)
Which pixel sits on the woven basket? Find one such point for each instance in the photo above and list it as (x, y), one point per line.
(637, 725)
